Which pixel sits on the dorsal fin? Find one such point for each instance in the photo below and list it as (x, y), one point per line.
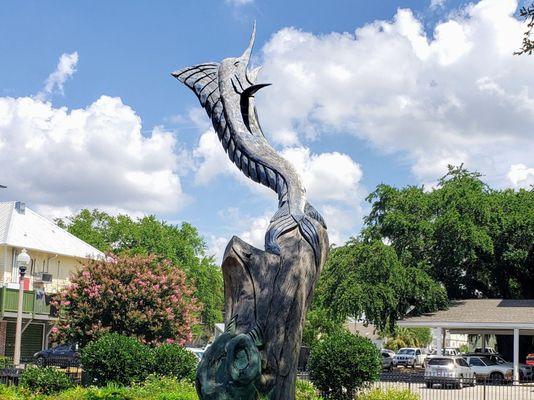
(203, 80)
(232, 324)
(256, 334)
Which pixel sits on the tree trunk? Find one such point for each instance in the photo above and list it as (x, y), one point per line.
(267, 297)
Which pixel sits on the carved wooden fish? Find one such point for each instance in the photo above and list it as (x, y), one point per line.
(226, 91)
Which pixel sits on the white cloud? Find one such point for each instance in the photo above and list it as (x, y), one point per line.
(249, 228)
(66, 67)
(521, 176)
(332, 181)
(326, 176)
(211, 158)
(456, 96)
(58, 159)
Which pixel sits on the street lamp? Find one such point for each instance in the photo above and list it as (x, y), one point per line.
(23, 259)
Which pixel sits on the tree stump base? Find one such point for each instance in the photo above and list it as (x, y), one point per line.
(267, 296)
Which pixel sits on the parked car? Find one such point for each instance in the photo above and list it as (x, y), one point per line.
(530, 359)
(409, 357)
(387, 360)
(485, 368)
(391, 352)
(197, 351)
(63, 355)
(525, 371)
(485, 350)
(449, 370)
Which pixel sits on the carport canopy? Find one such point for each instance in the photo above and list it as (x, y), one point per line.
(481, 316)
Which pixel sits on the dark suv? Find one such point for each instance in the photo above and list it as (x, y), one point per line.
(63, 355)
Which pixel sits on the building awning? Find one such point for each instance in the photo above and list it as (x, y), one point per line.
(479, 314)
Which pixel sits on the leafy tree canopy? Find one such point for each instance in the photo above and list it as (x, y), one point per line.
(320, 323)
(475, 240)
(527, 13)
(409, 337)
(180, 244)
(367, 280)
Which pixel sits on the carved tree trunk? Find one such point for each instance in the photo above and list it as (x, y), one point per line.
(267, 295)
(273, 292)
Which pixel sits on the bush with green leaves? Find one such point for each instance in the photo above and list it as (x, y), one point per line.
(174, 360)
(117, 358)
(343, 363)
(390, 394)
(306, 391)
(44, 380)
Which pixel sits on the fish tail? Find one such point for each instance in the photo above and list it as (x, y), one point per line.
(284, 221)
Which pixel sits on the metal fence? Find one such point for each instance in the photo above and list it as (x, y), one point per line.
(457, 388)
(10, 375)
(449, 389)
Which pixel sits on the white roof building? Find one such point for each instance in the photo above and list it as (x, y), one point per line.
(21, 227)
(55, 255)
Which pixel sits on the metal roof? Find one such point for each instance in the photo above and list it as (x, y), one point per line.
(32, 231)
(479, 313)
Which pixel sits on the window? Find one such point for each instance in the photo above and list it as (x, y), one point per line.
(385, 355)
(418, 353)
(461, 362)
(488, 361)
(476, 362)
(440, 361)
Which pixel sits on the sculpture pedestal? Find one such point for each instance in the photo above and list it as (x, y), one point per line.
(267, 297)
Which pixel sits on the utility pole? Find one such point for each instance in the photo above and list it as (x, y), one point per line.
(23, 260)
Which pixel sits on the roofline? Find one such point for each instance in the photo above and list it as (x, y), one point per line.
(466, 325)
(10, 219)
(66, 231)
(100, 254)
(4, 241)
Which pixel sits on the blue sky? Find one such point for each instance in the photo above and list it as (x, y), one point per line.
(363, 93)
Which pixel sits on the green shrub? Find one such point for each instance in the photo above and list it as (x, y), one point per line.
(390, 394)
(174, 360)
(306, 391)
(45, 380)
(342, 363)
(118, 359)
(5, 362)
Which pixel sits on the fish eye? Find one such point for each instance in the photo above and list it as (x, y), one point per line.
(236, 62)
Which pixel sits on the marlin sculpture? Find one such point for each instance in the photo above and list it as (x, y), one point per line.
(226, 91)
(267, 292)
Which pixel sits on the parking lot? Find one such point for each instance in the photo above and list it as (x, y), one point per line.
(479, 392)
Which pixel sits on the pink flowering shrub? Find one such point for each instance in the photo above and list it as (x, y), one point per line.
(134, 296)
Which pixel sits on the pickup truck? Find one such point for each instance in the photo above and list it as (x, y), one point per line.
(409, 357)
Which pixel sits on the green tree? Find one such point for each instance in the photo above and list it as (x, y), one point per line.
(320, 323)
(409, 337)
(180, 244)
(527, 13)
(367, 280)
(475, 240)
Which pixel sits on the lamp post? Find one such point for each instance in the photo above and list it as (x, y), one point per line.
(23, 259)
